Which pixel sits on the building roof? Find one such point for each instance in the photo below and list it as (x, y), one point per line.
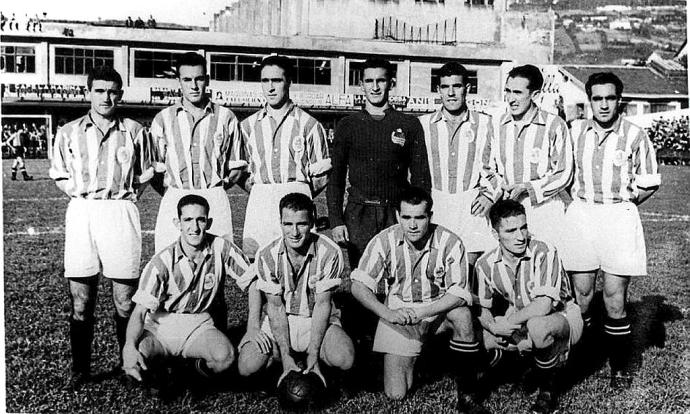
(638, 81)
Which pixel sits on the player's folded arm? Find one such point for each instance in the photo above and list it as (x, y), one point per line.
(146, 299)
(648, 181)
(269, 287)
(460, 292)
(364, 278)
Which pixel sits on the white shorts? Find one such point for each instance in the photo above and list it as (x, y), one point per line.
(262, 221)
(454, 212)
(299, 328)
(166, 232)
(102, 236)
(546, 220)
(177, 331)
(604, 236)
(404, 340)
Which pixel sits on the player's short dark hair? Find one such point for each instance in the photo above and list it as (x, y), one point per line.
(298, 202)
(535, 80)
(375, 63)
(192, 199)
(504, 209)
(282, 62)
(602, 78)
(189, 59)
(415, 196)
(453, 69)
(103, 73)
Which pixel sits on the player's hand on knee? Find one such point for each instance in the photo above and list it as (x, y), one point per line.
(262, 340)
(402, 316)
(340, 234)
(481, 205)
(502, 327)
(313, 366)
(133, 362)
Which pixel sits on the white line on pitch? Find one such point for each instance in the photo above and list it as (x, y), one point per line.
(683, 217)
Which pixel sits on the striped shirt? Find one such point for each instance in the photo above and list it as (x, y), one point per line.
(613, 167)
(538, 273)
(197, 154)
(415, 276)
(538, 154)
(172, 282)
(459, 154)
(90, 164)
(320, 272)
(293, 148)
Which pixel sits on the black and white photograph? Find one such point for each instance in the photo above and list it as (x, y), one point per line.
(345, 206)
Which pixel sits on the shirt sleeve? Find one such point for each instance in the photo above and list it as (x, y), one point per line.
(318, 157)
(237, 265)
(457, 277)
(548, 276)
(234, 154)
(144, 155)
(373, 266)
(645, 165)
(420, 175)
(489, 180)
(246, 150)
(559, 172)
(485, 288)
(159, 145)
(59, 171)
(336, 182)
(267, 281)
(152, 286)
(331, 273)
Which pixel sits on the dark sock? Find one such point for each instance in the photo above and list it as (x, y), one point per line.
(466, 359)
(81, 336)
(547, 367)
(121, 332)
(617, 333)
(587, 321)
(202, 369)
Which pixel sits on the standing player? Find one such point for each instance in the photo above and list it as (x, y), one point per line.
(458, 145)
(615, 171)
(426, 271)
(175, 292)
(287, 152)
(534, 155)
(297, 273)
(542, 316)
(376, 149)
(17, 143)
(100, 161)
(197, 146)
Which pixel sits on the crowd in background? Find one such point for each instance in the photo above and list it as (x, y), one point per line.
(34, 138)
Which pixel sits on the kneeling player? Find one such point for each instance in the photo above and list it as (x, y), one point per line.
(425, 268)
(542, 317)
(297, 272)
(177, 287)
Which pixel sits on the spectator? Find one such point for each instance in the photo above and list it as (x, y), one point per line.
(3, 21)
(151, 23)
(129, 22)
(139, 23)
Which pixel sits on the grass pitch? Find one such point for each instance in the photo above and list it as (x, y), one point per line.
(37, 307)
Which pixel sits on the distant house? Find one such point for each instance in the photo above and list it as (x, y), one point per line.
(620, 24)
(658, 87)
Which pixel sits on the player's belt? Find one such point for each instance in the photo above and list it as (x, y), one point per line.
(369, 201)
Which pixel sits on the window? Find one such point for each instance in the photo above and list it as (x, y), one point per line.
(356, 71)
(471, 79)
(18, 59)
(236, 68)
(312, 71)
(152, 64)
(75, 61)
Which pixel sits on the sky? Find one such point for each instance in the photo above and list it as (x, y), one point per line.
(190, 12)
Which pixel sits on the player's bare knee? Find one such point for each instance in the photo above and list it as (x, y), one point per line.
(341, 357)
(82, 307)
(397, 391)
(250, 360)
(538, 332)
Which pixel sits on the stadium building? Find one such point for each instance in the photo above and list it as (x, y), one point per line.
(44, 71)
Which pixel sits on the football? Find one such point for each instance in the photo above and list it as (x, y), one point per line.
(299, 390)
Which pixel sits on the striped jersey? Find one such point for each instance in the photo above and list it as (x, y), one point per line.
(196, 154)
(320, 272)
(459, 153)
(173, 282)
(611, 166)
(88, 163)
(415, 276)
(293, 148)
(538, 273)
(538, 154)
